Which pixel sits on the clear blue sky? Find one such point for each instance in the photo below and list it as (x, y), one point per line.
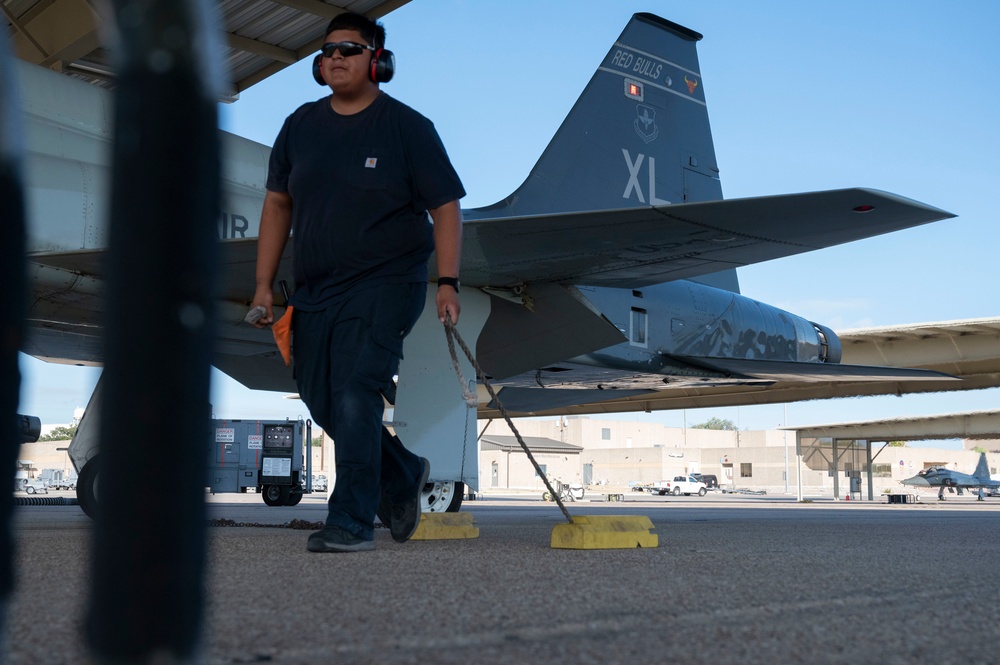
(895, 95)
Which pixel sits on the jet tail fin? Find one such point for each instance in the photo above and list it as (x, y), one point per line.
(982, 471)
(638, 135)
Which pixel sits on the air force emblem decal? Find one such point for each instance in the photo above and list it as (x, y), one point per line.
(645, 123)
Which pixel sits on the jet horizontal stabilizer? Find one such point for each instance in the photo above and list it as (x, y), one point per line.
(796, 371)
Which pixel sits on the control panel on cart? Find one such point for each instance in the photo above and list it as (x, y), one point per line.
(267, 455)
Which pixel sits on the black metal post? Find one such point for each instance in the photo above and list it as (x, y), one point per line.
(12, 278)
(147, 588)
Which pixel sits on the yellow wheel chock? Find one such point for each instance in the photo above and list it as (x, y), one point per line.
(605, 532)
(446, 526)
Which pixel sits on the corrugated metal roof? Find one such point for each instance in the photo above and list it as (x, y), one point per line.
(970, 425)
(262, 36)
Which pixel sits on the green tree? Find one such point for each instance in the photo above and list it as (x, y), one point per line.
(897, 444)
(716, 423)
(59, 434)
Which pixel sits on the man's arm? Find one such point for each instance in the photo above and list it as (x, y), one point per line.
(448, 246)
(275, 225)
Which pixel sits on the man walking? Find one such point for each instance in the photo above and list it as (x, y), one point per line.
(354, 176)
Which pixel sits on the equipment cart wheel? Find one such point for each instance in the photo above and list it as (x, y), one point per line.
(276, 495)
(293, 498)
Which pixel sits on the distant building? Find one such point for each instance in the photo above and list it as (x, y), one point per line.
(989, 445)
(507, 466)
(621, 453)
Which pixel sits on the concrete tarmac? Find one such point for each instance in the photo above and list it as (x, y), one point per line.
(734, 580)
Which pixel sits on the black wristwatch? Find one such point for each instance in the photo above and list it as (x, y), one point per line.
(449, 281)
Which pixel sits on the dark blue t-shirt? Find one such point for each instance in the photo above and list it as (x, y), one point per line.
(361, 186)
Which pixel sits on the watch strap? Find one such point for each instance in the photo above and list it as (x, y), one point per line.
(449, 281)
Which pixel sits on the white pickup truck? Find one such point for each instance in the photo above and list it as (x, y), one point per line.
(686, 485)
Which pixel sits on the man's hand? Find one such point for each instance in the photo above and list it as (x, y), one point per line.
(447, 303)
(264, 298)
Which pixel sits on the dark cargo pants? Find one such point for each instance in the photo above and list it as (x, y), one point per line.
(345, 358)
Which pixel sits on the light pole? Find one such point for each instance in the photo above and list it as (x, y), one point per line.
(784, 418)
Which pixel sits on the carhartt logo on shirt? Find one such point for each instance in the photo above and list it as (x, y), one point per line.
(370, 162)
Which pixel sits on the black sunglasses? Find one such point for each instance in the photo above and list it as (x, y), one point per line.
(347, 49)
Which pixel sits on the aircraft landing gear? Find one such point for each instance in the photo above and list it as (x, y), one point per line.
(86, 487)
(442, 496)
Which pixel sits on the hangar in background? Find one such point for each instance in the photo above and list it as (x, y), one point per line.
(838, 446)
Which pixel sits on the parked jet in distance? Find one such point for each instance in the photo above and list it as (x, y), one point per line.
(941, 477)
(609, 273)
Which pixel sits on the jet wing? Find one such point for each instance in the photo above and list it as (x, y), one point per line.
(788, 371)
(628, 247)
(524, 402)
(571, 388)
(247, 354)
(637, 247)
(631, 247)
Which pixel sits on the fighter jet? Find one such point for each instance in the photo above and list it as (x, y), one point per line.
(608, 275)
(941, 477)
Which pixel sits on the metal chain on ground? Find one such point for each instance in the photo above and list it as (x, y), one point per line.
(452, 334)
(294, 524)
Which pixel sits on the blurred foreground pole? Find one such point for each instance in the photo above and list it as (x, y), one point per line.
(146, 599)
(12, 279)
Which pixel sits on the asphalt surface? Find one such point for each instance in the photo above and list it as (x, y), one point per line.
(734, 580)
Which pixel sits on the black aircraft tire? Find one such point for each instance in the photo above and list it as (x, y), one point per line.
(456, 498)
(86, 487)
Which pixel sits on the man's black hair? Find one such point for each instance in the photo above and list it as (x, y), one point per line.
(371, 31)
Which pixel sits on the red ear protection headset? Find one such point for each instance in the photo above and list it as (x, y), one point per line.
(383, 66)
